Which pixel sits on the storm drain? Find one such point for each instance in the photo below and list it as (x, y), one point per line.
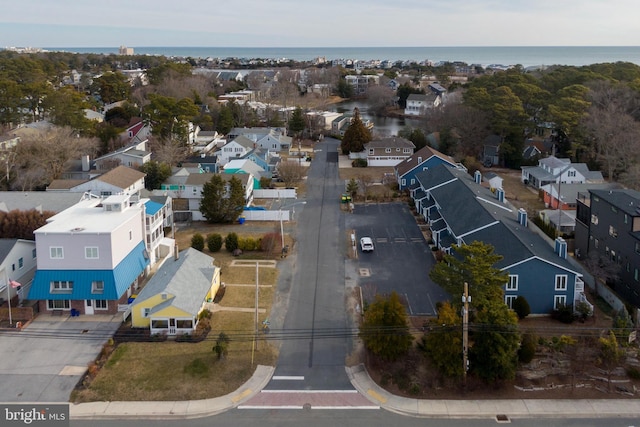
(502, 418)
(364, 272)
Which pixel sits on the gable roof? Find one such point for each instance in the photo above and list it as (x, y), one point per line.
(121, 177)
(5, 247)
(473, 212)
(186, 281)
(38, 200)
(390, 142)
(425, 153)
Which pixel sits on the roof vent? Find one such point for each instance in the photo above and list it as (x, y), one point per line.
(77, 229)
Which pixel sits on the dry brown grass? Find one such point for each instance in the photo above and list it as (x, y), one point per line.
(518, 194)
(171, 370)
(375, 173)
(185, 371)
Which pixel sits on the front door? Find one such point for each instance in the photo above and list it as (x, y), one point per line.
(172, 326)
(88, 306)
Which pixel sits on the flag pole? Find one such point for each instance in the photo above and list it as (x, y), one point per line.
(6, 278)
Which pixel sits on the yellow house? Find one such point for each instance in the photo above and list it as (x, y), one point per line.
(172, 299)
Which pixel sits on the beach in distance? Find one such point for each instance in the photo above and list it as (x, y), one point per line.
(527, 56)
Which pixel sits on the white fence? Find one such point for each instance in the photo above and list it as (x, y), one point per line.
(275, 193)
(266, 215)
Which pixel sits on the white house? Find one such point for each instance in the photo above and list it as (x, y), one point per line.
(555, 170)
(418, 104)
(121, 180)
(234, 149)
(91, 256)
(17, 267)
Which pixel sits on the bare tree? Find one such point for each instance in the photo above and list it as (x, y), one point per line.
(44, 156)
(291, 172)
(364, 183)
(379, 97)
(170, 152)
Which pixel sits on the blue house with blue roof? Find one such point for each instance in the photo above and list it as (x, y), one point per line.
(91, 256)
(460, 211)
(421, 160)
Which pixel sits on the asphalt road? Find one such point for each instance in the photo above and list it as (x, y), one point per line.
(401, 260)
(313, 358)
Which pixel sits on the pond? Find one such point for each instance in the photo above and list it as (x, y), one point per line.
(383, 126)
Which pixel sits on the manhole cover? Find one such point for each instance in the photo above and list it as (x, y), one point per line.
(364, 272)
(306, 406)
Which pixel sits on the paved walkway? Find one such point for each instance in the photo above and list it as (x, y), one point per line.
(369, 396)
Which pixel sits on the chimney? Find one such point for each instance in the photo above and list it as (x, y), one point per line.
(477, 177)
(561, 248)
(522, 217)
(500, 195)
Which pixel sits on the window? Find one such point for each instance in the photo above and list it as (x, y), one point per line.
(561, 282)
(594, 219)
(571, 173)
(55, 304)
(56, 252)
(509, 299)
(612, 231)
(387, 150)
(91, 252)
(20, 262)
(145, 312)
(33, 253)
(97, 287)
(130, 235)
(637, 246)
(596, 243)
(559, 301)
(404, 182)
(101, 304)
(512, 284)
(61, 286)
(614, 209)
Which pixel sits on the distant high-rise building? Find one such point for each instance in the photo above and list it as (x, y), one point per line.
(125, 50)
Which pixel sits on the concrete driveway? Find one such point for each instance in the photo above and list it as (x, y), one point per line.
(45, 361)
(401, 260)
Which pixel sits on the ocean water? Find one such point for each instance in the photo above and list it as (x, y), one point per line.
(526, 56)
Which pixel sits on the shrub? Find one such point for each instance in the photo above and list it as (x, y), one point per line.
(584, 310)
(527, 348)
(247, 244)
(269, 242)
(359, 163)
(204, 314)
(231, 242)
(633, 373)
(197, 242)
(564, 313)
(521, 307)
(214, 242)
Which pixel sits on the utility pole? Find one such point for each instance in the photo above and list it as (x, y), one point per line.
(466, 299)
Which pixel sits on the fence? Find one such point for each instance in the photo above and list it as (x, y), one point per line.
(266, 215)
(275, 193)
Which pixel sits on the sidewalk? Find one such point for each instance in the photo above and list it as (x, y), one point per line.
(500, 410)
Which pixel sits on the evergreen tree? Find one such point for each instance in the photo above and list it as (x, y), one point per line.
(222, 201)
(443, 342)
(495, 337)
(156, 173)
(385, 330)
(356, 136)
(296, 122)
(473, 264)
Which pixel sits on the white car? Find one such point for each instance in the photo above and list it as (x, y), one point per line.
(366, 244)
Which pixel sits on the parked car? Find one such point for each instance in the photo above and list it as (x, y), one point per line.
(366, 244)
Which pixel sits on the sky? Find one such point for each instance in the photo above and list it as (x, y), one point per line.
(313, 23)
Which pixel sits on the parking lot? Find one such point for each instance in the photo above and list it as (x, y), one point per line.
(401, 259)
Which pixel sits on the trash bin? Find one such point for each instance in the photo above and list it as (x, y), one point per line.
(241, 220)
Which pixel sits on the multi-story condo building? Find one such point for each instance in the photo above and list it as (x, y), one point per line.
(608, 224)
